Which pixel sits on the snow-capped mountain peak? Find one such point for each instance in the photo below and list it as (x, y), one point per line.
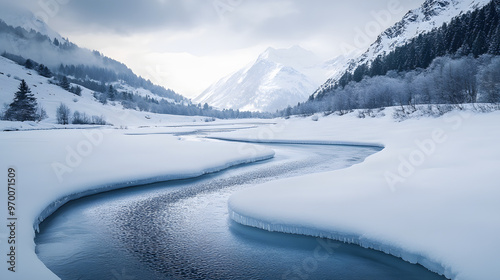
(278, 78)
(295, 57)
(431, 14)
(16, 16)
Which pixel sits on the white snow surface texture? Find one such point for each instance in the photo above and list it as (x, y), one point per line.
(430, 197)
(55, 166)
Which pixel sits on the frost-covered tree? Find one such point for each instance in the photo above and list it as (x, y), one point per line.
(41, 114)
(24, 107)
(81, 118)
(489, 78)
(63, 114)
(455, 80)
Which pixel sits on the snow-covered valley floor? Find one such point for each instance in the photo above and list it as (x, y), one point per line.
(181, 230)
(431, 196)
(51, 167)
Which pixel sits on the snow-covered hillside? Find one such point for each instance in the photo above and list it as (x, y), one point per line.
(33, 46)
(279, 77)
(432, 14)
(24, 35)
(50, 96)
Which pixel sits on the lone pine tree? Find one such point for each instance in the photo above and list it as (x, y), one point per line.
(24, 106)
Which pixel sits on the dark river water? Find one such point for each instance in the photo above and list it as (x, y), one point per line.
(181, 230)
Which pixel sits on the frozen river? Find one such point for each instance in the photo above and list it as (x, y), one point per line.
(181, 230)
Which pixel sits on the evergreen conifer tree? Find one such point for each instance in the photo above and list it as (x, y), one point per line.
(65, 83)
(494, 47)
(111, 93)
(24, 106)
(480, 45)
(44, 71)
(29, 64)
(77, 90)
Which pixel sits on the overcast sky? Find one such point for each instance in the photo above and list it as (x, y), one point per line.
(187, 45)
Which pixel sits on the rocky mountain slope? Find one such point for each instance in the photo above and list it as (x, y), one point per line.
(431, 14)
(277, 79)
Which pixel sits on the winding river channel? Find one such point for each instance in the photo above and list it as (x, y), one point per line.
(181, 230)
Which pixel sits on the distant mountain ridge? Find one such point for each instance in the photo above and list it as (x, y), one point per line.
(15, 16)
(431, 14)
(23, 34)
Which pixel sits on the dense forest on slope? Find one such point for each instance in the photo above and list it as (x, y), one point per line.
(121, 93)
(475, 33)
(455, 64)
(97, 67)
(451, 81)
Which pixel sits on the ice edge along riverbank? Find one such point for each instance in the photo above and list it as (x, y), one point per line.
(54, 206)
(345, 237)
(300, 142)
(55, 168)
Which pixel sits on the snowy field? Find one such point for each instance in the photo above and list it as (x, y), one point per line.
(52, 166)
(430, 197)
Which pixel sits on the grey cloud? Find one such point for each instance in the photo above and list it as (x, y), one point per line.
(250, 22)
(130, 16)
(149, 15)
(320, 17)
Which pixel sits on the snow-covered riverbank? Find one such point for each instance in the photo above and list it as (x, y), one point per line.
(50, 167)
(431, 196)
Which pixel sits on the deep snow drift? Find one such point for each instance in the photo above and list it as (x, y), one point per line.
(431, 196)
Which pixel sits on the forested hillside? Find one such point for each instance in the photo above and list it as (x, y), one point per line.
(112, 82)
(473, 34)
(455, 64)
